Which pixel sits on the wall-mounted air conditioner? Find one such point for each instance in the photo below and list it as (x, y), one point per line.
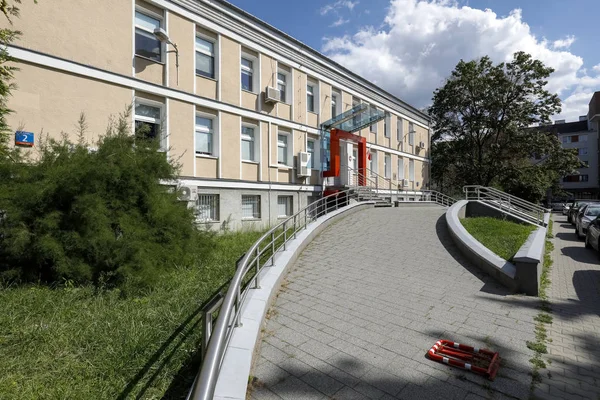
(187, 193)
(271, 95)
(404, 182)
(422, 145)
(302, 164)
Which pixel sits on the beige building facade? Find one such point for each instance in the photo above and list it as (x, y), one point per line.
(207, 105)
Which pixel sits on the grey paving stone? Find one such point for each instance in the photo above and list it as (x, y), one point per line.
(347, 393)
(294, 389)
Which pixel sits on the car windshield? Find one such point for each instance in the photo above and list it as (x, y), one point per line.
(592, 211)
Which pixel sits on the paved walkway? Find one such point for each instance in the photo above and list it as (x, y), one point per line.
(370, 296)
(574, 294)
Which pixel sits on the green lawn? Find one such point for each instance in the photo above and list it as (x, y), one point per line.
(75, 343)
(502, 237)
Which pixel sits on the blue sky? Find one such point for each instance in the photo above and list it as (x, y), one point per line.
(409, 46)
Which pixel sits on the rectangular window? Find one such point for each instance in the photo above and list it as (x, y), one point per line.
(282, 149)
(387, 166)
(250, 206)
(207, 207)
(386, 126)
(411, 170)
(146, 44)
(582, 151)
(373, 163)
(576, 178)
(284, 206)
(282, 86)
(583, 138)
(205, 58)
(248, 144)
(400, 169)
(147, 122)
(247, 74)
(204, 135)
(310, 149)
(334, 100)
(411, 134)
(310, 98)
(355, 119)
(373, 127)
(400, 129)
(355, 159)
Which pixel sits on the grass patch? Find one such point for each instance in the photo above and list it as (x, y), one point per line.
(84, 343)
(502, 237)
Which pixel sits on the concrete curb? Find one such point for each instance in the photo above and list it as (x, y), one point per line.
(235, 370)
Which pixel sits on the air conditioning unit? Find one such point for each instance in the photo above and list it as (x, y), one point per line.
(404, 182)
(302, 164)
(187, 193)
(422, 145)
(271, 95)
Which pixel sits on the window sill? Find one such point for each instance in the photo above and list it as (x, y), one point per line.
(150, 60)
(198, 221)
(283, 216)
(248, 91)
(207, 156)
(250, 162)
(283, 166)
(312, 112)
(251, 219)
(206, 77)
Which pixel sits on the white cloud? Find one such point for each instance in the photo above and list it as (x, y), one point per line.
(596, 68)
(420, 43)
(340, 21)
(339, 4)
(563, 43)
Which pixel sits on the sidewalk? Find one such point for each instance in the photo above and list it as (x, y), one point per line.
(574, 294)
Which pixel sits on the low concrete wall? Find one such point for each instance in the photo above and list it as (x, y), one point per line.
(524, 275)
(245, 342)
(481, 209)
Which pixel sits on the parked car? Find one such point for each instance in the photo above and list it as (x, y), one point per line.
(575, 209)
(592, 235)
(586, 214)
(566, 208)
(557, 206)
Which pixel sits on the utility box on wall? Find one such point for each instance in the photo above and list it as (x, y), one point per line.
(24, 139)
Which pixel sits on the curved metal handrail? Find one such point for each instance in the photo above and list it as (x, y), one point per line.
(230, 310)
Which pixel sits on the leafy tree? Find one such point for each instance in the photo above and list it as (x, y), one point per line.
(94, 214)
(482, 119)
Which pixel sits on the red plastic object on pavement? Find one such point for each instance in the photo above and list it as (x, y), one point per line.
(481, 361)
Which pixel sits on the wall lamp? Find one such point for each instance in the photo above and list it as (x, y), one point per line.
(162, 35)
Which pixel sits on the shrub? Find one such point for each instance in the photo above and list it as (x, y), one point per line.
(82, 215)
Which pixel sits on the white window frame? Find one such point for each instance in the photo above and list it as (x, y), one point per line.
(214, 136)
(314, 97)
(254, 200)
(254, 70)
(201, 129)
(254, 142)
(287, 147)
(313, 154)
(386, 126)
(411, 170)
(161, 24)
(400, 129)
(584, 153)
(215, 45)
(387, 166)
(159, 122)
(400, 168)
(411, 134)
(215, 213)
(374, 163)
(286, 84)
(289, 206)
(338, 103)
(355, 159)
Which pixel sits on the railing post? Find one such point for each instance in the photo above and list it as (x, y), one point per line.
(284, 235)
(337, 202)
(257, 266)
(238, 307)
(305, 218)
(272, 248)
(295, 229)
(206, 330)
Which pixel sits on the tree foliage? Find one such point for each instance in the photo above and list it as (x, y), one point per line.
(483, 118)
(95, 214)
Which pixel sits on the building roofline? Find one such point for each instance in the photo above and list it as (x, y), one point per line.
(364, 82)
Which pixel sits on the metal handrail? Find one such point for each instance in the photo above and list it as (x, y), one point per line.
(507, 202)
(231, 305)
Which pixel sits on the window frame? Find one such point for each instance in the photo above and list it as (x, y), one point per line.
(387, 166)
(161, 24)
(387, 121)
(254, 71)
(400, 129)
(411, 133)
(285, 84)
(373, 127)
(214, 44)
(374, 162)
(155, 104)
(411, 170)
(253, 142)
(217, 210)
(400, 166)
(214, 122)
(288, 137)
(256, 212)
(308, 96)
(289, 206)
(311, 164)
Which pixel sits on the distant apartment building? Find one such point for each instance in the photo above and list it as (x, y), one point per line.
(231, 98)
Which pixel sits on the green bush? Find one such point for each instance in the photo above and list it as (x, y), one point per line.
(94, 214)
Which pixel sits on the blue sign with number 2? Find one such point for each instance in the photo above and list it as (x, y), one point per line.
(23, 138)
